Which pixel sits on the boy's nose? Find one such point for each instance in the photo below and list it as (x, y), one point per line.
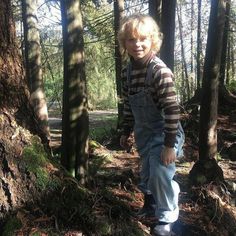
(137, 42)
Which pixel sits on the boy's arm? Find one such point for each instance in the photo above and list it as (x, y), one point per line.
(167, 100)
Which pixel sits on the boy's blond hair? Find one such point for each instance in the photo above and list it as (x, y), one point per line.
(139, 25)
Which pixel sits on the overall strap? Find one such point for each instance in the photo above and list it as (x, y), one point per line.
(148, 79)
(128, 73)
(155, 62)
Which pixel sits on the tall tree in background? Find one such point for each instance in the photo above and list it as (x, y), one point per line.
(225, 96)
(206, 169)
(154, 8)
(168, 30)
(33, 63)
(184, 63)
(118, 14)
(199, 43)
(75, 122)
(224, 47)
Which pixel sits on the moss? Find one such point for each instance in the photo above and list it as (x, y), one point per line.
(11, 226)
(36, 160)
(201, 179)
(104, 228)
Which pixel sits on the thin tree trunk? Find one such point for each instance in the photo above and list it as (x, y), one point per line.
(192, 77)
(75, 122)
(225, 43)
(168, 30)
(192, 36)
(228, 63)
(232, 62)
(209, 103)
(206, 169)
(199, 44)
(155, 10)
(179, 13)
(118, 14)
(33, 63)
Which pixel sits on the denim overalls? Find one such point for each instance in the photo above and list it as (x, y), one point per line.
(156, 178)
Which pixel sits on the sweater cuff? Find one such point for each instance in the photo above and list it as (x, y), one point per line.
(126, 131)
(170, 140)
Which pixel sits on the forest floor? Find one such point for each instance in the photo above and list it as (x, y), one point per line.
(198, 214)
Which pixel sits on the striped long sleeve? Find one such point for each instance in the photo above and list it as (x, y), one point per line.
(163, 93)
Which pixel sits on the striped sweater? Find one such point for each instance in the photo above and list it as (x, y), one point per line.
(163, 94)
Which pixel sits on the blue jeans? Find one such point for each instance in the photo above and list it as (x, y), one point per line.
(156, 178)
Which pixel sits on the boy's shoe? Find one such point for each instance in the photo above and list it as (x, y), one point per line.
(148, 209)
(162, 229)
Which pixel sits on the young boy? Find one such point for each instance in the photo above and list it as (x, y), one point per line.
(152, 113)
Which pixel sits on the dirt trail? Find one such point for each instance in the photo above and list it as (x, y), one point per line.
(96, 119)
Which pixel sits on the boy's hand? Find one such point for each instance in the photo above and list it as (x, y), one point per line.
(168, 155)
(126, 142)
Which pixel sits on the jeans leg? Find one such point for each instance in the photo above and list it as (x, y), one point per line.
(164, 189)
(144, 175)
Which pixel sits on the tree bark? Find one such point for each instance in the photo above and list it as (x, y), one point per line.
(206, 169)
(225, 44)
(186, 76)
(118, 14)
(17, 121)
(75, 122)
(209, 103)
(33, 64)
(168, 30)
(154, 9)
(199, 44)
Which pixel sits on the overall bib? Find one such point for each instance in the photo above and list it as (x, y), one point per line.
(156, 178)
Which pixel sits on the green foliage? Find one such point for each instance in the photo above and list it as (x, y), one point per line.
(99, 57)
(201, 179)
(232, 86)
(100, 75)
(11, 226)
(102, 133)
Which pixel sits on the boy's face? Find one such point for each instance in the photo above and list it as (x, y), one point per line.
(138, 46)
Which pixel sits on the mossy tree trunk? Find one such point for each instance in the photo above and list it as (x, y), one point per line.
(17, 121)
(75, 122)
(206, 169)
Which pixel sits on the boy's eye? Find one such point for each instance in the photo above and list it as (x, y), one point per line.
(131, 39)
(143, 38)
(137, 39)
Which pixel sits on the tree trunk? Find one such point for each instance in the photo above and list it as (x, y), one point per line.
(224, 47)
(168, 30)
(192, 37)
(33, 63)
(118, 14)
(186, 76)
(199, 44)
(154, 9)
(192, 76)
(17, 122)
(75, 122)
(228, 63)
(206, 169)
